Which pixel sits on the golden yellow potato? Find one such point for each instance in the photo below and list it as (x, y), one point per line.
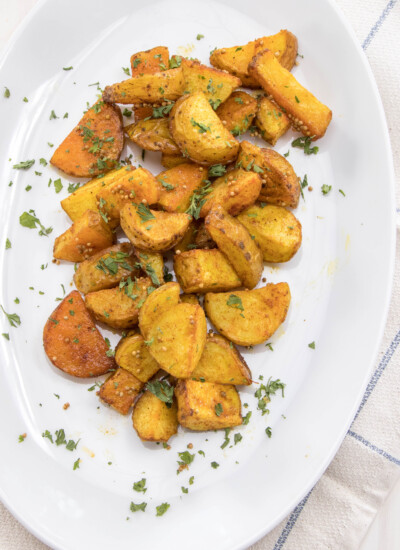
(120, 390)
(199, 133)
(188, 240)
(280, 185)
(150, 61)
(151, 229)
(158, 302)
(153, 420)
(170, 161)
(248, 317)
(119, 307)
(235, 242)
(276, 231)
(221, 363)
(189, 299)
(207, 406)
(237, 112)
(307, 114)
(133, 355)
(201, 271)
(176, 340)
(178, 184)
(202, 239)
(152, 135)
(271, 121)
(152, 264)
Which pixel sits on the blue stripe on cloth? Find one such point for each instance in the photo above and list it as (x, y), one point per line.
(374, 447)
(291, 523)
(378, 24)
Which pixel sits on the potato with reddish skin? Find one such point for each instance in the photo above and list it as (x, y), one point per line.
(237, 112)
(248, 317)
(271, 121)
(152, 135)
(216, 85)
(178, 184)
(120, 390)
(156, 304)
(72, 342)
(153, 420)
(133, 355)
(80, 155)
(206, 406)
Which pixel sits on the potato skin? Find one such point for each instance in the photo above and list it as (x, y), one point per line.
(185, 179)
(133, 355)
(201, 146)
(188, 240)
(157, 303)
(152, 135)
(120, 390)
(153, 420)
(150, 61)
(276, 231)
(202, 271)
(72, 342)
(264, 310)
(170, 161)
(197, 402)
(271, 121)
(237, 112)
(216, 85)
(202, 238)
(235, 242)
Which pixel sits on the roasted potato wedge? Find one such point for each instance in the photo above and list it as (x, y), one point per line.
(235, 191)
(151, 88)
(280, 185)
(188, 240)
(153, 420)
(189, 299)
(120, 390)
(206, 406)
(170, 161)
(199, 133)
(133, 355)
(236, 60)
(119, 307)
(150, 61)
(176, 340)
(235, 242)
(72, 342)
(178, 184)
(307, 114)
(237, 112)
(87, 235)
(271, 121)
(94, 145)
(156, 304)
(153, 230)
(202, 239)
(276, 231)
(106, 269)
(152, 135)
(221, 363)
(201, 271)
(249, 317)
(152, 264)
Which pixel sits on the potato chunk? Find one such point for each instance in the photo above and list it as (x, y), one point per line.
(280, 185)
(132, 354)
(271, 121)
(120, 390)
(235, 242)
(308, 115)
(87, 236)
(94, 145)
(177, 339)
(199, 133)
(152, 264)
(207, 406)
(202, 238)
(178, 184)
(237, 112)
(153, 420)
(221, 363)
(152, 135)
(189, 299)
(188, 240)
(203, 271)
(236, 59)
(72, 342)
(119, 307)
(234, 191)
(150, 61)
(153, 230)
(106, 269)
(170, 161)
(276, 231)
(157, 303)
(249, 317)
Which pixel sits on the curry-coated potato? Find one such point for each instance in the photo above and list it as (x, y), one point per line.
(178, 184)
(87, 235)
(203, 239)
(221, 363)
(72, 342)
(236, 60)
(199, 133)
(132, 354)
(151, 229)
(202, 271)
(206, 406)
(152, 135)
(235, 242)
(120, 390)
(106, 269)
(152, 264)
(307, 114)
(248, 317)
(153, 419)
(150, 61)
(177, 339)
(170, 161)
(280, 185)
(237, 112)
(271, 121)
(189, 299)
(119, 307)
(276, 231)
(234, 191)
(188, 240)
(158, 302)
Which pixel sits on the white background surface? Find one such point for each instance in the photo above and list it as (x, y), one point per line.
(384, 533)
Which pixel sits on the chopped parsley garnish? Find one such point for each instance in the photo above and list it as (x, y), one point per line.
(304, 143)
(246, 419)
(48, 435)
(144, 212)
(113, 262)
(140, 486)
(201, 453)
(76, 464)
(218, 409)
(191, 480)
(199, 36)
(303, 184)
(215, 103)
(126, 71)
(268, 431)
(21, 438)
(67, 68)
(269, 346)
(58, 185)
(235, 301)
(136, 507)
(162, 508)
(24, 165)
(186, 458)
(167, 185)
(162, 390)
(312, 345)
(162, 111)
(214, 465)
(167, 275)
(8, 244)
(5, 335)
(13, 318)
(326, 188)
(202, 127)
(297, 99)
(239, 100)
(226, 440)
(175, 62)
(126, 112)
(136, 62)
(185, 490)
(6, 92)
(216, 171)
(264, 393)
(73, 187)
(52, 115)
(197, 200)
(29, 219)
(342, 192)
(237, 438)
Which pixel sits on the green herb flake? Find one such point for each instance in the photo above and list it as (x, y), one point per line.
(21, 438)
(52, 115)
(214, 465)
(76, 464)
(265, 391)
(162, 508)
(191, 480)
(235, 301)
(5, 335)
(218, 409)
(67, 68)
(13, 318)
(8, 244)
(326, 188)
(237, 438)
(48, 435)
(126, 70)
(246, 419)
(342, 192)
(144, 212)
(140, 486)
(126, 112)
(138, 507)
(24, 165)
(268, 431)
(202, 127)
(29, 219)
(6, 92)
(58, 185)
(185, 490)
(304, 143)
(199, 36)
(312, 345)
